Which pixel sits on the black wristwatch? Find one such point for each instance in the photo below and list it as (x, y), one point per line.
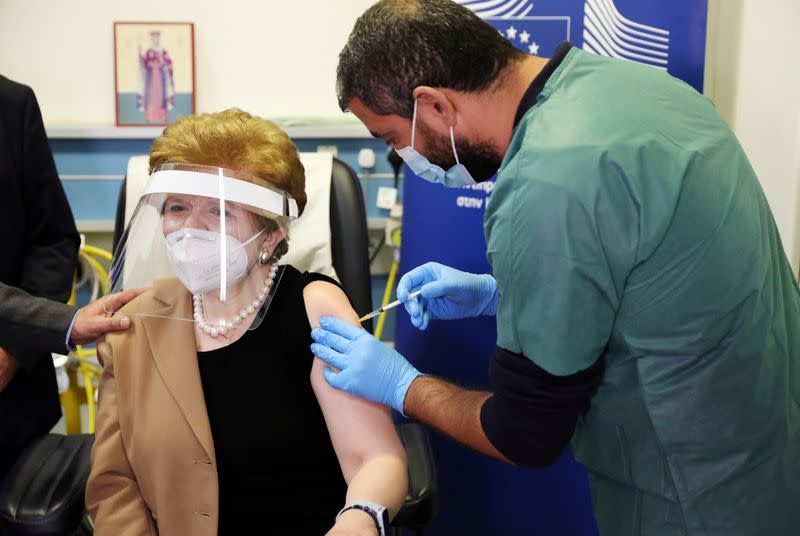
(378, 513)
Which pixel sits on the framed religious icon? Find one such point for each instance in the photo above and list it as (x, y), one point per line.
(153, 72)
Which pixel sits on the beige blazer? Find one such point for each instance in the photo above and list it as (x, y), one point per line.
(153, 463)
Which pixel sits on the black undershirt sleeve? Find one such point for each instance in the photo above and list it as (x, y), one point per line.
(532, 414)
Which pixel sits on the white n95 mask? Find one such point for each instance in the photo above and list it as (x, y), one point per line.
(195, 256)
(454, 177)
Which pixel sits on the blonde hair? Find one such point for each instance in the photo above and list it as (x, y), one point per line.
(236, 140)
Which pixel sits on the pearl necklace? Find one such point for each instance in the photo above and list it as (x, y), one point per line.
(222, 327)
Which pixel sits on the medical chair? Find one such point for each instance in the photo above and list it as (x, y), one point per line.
(42, 494)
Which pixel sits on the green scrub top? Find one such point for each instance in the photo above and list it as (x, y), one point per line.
(627, 225)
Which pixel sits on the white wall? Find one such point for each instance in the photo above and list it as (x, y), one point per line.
(249, 53)
(753, 76)
(270, 57)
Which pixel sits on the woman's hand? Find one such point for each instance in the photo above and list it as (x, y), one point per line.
(354, 523)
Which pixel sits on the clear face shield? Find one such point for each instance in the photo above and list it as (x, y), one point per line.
(203, 240)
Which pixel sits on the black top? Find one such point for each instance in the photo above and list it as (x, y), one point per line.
(278, 473)
(532, 414)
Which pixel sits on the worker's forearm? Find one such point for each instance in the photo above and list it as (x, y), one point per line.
(452, 410)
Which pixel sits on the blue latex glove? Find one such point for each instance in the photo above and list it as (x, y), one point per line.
(447, 294)
(368, 368)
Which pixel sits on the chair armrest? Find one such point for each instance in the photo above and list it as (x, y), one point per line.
(421, 504)
(43, 493)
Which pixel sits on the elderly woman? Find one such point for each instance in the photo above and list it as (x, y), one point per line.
(214, 417)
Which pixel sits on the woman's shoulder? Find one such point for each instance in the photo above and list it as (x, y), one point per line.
(143, 303)
(163, 293)
(302, 279)
(311, 277)
(160, 300)
(324, 296)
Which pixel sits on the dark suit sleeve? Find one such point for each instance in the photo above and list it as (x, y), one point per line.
(29, 324)
(51, 238)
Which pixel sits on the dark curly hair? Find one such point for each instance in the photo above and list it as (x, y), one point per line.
(397, 45)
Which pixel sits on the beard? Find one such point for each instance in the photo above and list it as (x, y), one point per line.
(479, 157)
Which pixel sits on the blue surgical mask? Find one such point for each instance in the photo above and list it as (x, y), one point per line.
(455, 177)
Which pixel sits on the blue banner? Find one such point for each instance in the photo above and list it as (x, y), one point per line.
(479, 496)
(668, 35)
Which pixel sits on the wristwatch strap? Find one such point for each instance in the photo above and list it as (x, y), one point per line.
(377, 512)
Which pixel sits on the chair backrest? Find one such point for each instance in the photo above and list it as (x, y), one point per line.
(348, 225)
(349, 242)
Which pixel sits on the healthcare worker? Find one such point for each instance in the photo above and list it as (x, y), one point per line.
(645, 307)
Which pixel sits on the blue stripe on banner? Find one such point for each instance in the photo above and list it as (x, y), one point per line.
(664, 35)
